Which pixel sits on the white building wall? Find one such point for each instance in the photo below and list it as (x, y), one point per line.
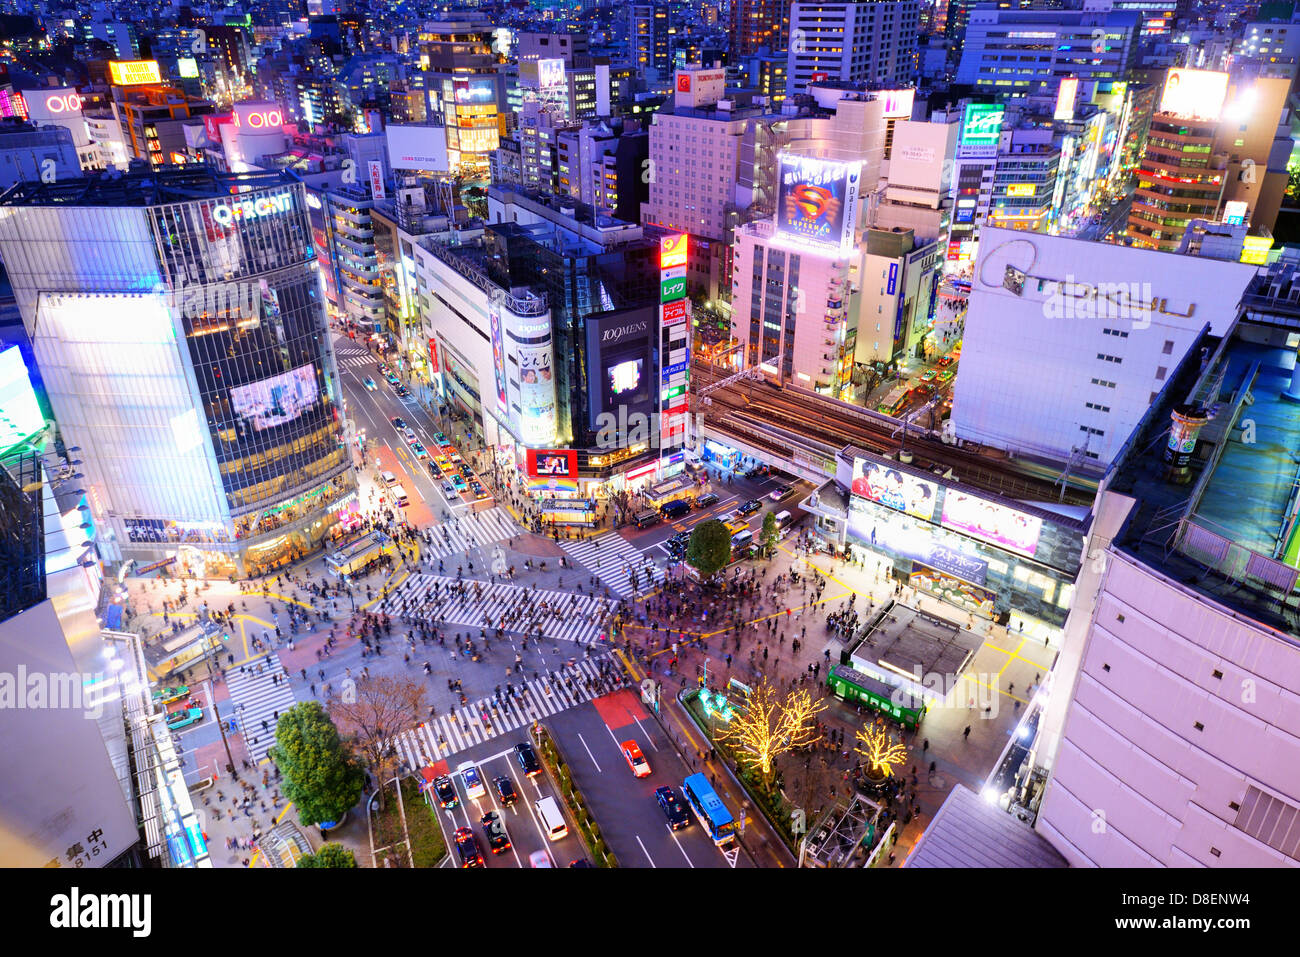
(1135, 781)
(693, 165)
(1027, 371)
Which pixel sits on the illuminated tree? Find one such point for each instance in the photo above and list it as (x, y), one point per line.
(881, 750)
(772, 726)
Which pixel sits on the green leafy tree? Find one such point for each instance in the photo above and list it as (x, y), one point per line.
(771, 533)
(709, 549)
(321, 776)
(330, 855)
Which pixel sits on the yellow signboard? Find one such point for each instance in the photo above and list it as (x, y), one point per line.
(134, 72)
(1255, 250)
(1021, 189)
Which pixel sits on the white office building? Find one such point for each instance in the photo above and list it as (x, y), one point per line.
(864, 42)
(1068, 342)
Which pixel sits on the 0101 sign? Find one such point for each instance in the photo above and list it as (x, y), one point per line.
(262, 120)
(63, 103)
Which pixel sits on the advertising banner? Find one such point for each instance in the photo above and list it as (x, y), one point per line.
(670, 289)
(277, 400)
(951, 589)
(1198, 94)
(377, 180)
(536, 395)
(133, 72)
(498, 354)
(982, 124)
(671, 313)
(817, 200)
(993, 523)
(673, 250)
(894, 488)
(551, 463)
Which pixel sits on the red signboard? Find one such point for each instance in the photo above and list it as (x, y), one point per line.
(674, 312)
(683, 83)
(433, 356)
(552, 463)
(672, 251)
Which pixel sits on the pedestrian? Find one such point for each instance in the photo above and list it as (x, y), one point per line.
(966, 734)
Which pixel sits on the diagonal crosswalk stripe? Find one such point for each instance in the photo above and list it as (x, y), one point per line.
(255, 698)
(441, 736)
(611, 557)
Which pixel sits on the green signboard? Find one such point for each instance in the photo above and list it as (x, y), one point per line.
(982, 124)
(670, 289)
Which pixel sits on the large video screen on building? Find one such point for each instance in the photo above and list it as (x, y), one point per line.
(894, 488)
(277, 400)
(817, 200)
(621, 374)
(993, 523)
(551, 463)
(20, 412)
(1198, 94)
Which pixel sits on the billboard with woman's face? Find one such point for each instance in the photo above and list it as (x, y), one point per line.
(993, 523)
(894, 488)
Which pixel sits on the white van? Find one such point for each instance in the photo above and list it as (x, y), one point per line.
(399, 496)
(783, 519)
(552, 820)
(388, 478)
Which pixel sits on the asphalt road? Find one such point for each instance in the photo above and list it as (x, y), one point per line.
(523, 827)
(624, 806)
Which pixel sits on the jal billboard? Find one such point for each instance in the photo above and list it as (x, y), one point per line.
(817, 201)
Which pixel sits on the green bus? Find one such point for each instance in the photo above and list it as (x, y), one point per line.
(857, 688)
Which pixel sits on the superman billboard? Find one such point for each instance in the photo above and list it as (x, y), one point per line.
(817, 201)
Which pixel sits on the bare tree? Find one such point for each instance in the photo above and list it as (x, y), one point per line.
(773, 725)
(371, 712)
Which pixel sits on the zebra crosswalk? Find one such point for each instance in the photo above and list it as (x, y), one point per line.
(561, 616)
(257, 698)
(471, 530)
(441, 736)
(356, 362)
(611, 557)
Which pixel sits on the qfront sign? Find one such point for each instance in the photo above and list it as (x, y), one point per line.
(226, 214)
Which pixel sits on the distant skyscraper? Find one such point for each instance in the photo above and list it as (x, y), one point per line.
(865, 42)
(758, 24)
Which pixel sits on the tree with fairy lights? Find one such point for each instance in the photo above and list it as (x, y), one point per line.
(881, 751)
(773, 725)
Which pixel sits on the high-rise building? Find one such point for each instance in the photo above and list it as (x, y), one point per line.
(1167, 738)
(176, 316)
(1030, 51)
(1103, 327)
(758, 26)
(869, 41)
(465, 90)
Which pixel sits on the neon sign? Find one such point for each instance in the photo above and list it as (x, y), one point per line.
(227, 213)
(134, 72)
(63, 103)
(262, 119)
(672, 251)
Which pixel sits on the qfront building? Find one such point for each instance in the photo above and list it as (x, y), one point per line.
(178, 321)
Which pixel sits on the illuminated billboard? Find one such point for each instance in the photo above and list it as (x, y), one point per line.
(982, 124)
(898, 103)
(1234, 212)
(133, 72)
(277, 400)
(552, 463)
(187, 68)
(1021, 189)
(894, 489)
(624, 377)
(1065, 98)
(817, 201)
(672, 251)
(992, 523)
(550, 74)
(536, 394)
(1197, 94)
(20, 413)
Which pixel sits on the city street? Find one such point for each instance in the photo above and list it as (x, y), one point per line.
(631, 820)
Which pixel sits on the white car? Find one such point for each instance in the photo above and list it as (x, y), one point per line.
(409, 434)
(474, 786)
(539, 859)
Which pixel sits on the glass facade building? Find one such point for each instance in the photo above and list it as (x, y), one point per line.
(179, 319)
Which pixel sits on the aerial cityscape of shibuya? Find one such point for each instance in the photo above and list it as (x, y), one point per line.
(666, 434)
